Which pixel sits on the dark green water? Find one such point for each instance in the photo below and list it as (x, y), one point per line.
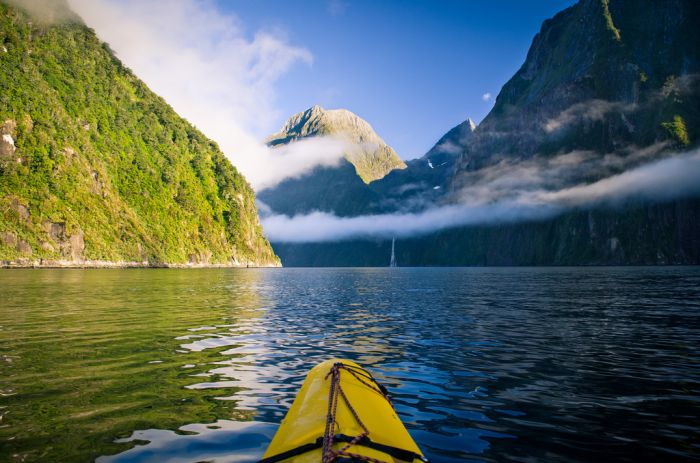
(553, 364)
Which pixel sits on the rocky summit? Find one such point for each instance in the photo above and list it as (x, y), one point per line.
(367, 152)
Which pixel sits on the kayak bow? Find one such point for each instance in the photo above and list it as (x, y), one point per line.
(342, 414)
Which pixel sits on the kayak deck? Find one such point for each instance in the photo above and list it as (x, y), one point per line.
(359, 425)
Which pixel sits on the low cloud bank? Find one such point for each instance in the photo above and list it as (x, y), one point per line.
(511, 179)
(667, 179)
(663, 180)
(272, 165)
(593, 110)
(321, 226)
(597, 110)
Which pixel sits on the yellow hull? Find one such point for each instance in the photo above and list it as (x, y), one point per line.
(300, 437)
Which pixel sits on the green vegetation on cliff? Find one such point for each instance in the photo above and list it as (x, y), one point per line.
(677, 130)
(95, 166)
(609, 24)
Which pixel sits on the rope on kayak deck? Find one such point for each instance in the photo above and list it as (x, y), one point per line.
(335, 391)
(329, 437)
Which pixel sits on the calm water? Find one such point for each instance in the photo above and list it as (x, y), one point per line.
(586, 364)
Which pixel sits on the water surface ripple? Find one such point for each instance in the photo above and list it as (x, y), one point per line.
(489, 364)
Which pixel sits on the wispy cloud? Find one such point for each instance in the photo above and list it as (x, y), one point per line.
(505, 195)
(512, 178)
(662, 180)
(212, 71)
(486, 96)
(592, 110)
(597, 110)
(321, 226)
(449, 147)
(46, 11)
(295, 159)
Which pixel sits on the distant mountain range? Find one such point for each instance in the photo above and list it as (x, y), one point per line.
(96, 170)
(607, 87)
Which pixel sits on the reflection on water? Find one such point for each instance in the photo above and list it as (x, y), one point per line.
(223, 441)
(483, 364)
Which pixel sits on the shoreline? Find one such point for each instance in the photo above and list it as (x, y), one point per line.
(89, 264)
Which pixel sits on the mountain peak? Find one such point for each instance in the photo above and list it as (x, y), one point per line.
(453, 142)
(372, 160)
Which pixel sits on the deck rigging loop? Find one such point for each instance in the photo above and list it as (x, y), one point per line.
(329, 438)
(335, 391)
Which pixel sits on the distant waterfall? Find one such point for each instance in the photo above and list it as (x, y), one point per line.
(392, 262)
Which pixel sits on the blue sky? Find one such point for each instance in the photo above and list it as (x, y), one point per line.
(413, 69)
(237, 69)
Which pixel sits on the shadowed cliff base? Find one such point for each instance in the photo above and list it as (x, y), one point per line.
(641, 234)
(49, 263)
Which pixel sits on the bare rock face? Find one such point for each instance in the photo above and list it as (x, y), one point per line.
(55, 230)
(7, 142)
(8, 127)
(98, 184)
(371, 156)
(200, 258)
(9, 239)
(21, 210)
(77, 245)
(24, 248)
(71, 246)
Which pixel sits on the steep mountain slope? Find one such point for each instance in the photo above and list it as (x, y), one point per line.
(96, 169)
(606, 86)
(600, 76)
(425, 180)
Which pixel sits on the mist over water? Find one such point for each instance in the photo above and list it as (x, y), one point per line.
(492, 364)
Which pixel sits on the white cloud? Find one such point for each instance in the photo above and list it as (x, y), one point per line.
(449, 147)
(47, 11)
(523, 194)
(661, 180)
(486, 96)
(321, 226)
(295, 159)
(212, 72)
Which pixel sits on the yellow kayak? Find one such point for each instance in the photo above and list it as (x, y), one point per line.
(341, 414)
